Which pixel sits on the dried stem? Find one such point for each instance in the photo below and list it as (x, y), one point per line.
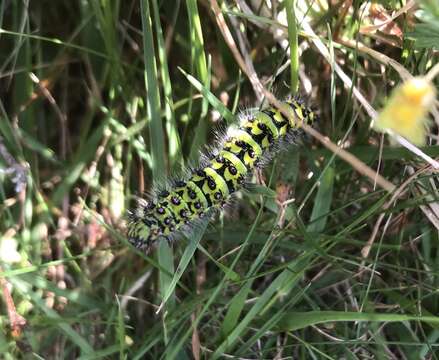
(17, 322)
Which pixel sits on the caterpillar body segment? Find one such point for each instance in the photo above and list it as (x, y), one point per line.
(194, 197)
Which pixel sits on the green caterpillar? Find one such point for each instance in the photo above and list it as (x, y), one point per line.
(223, 171)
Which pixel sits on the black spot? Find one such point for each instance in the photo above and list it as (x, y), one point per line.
(231, 186)
(241, 144)
(164, 193)
(175, 200)
(233, 170)
(200, 173)
(262, 126)
(211, 183)
(278, 124)
(269, 112)
(172, 227)
(284, 118)
(183, 213)
(150, 206)
(240, 180)
(197, 205)
(219, 159)
(201, 215)
(180, 183)
(192, 194)
(180, 192)
(167, 221)
(218, 195)
(251, 153)
(161, 210)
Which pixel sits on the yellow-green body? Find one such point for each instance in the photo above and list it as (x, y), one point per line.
(210, 186)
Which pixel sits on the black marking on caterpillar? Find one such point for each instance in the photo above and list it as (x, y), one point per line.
(222, 171)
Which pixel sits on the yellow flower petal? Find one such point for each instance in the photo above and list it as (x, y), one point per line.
(407, 109)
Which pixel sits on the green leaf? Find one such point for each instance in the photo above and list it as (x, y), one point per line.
(425, 36)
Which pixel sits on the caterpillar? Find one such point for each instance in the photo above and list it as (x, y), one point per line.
(222, 171)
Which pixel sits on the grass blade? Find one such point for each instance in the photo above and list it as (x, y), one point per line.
(299, 320)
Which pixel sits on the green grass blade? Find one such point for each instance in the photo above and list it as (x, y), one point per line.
(322, 202)
(174, 143)
(165, 254)
(286, 278)
(199, 63)
(213, 100)
(299, 320)
(179, 343)
(294, 44)
(197, 42)
(73, 335)
(156, 136)
(184, 262)
(83, 156)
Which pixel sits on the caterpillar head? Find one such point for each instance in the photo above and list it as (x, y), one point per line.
(143, 230)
